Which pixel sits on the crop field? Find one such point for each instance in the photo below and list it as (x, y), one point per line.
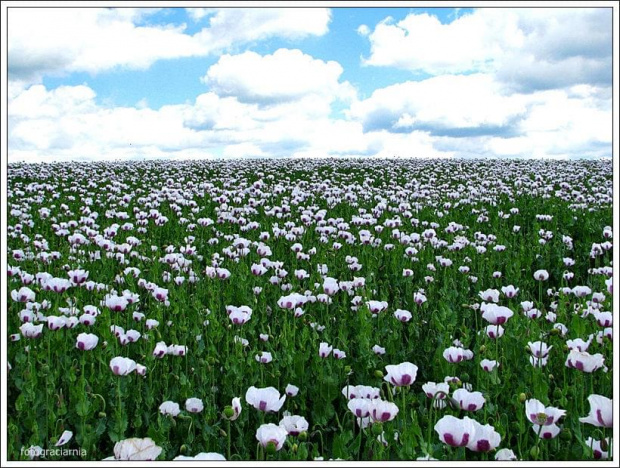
(310, 309)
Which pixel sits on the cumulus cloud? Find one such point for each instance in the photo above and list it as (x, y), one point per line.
(59, 41)
(529, 49)
(285, 75)
(444, 105)
(67, 123)
(242, 25)
(508, 83)
(473, 115)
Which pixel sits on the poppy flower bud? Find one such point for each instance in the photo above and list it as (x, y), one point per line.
(522, 397)
(229, 412)
(604, 443)
(183, 448)
(483, 348)
(223, 433)
(566, 434)
(377, 429)
(555, 331)
(465, 377)
(295, 447)
(102, 414)
(303, 436)
(378, 374)
(534, 451)
(347, 369)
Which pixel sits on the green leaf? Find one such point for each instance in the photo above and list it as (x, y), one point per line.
(340, 446)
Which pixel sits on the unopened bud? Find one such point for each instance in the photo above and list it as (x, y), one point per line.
(522, 397)
(271, 448)
(229, 412)
(566, 434)
(377, 429)
(303, 436)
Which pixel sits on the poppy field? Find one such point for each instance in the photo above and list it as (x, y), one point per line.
(351, 309)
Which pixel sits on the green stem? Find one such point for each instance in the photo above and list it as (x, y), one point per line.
(83, 397)
(404, 409)
(538, 442)
(359, 449)
(228, 434)
(120, 409)
(431, 412)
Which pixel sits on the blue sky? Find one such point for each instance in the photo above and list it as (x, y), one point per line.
(96, 84)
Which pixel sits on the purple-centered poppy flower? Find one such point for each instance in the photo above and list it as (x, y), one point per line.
(86, 341)
(468, 401)
(270, 433)
(265, 399)
(541, 415)
(455, 432)
(401, 375)
(601, 411)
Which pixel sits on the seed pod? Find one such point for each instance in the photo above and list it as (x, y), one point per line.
(229, 412)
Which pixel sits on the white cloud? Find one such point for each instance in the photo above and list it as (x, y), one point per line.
(530, 48)
(440, 104)
(197, 14)
(243, 150)
(363, 30)
(67, 123)
(63, 40)
(242, 25)
(46, 40)
(471, 114)
(285, 75)
(414, 119)
(421, 43)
